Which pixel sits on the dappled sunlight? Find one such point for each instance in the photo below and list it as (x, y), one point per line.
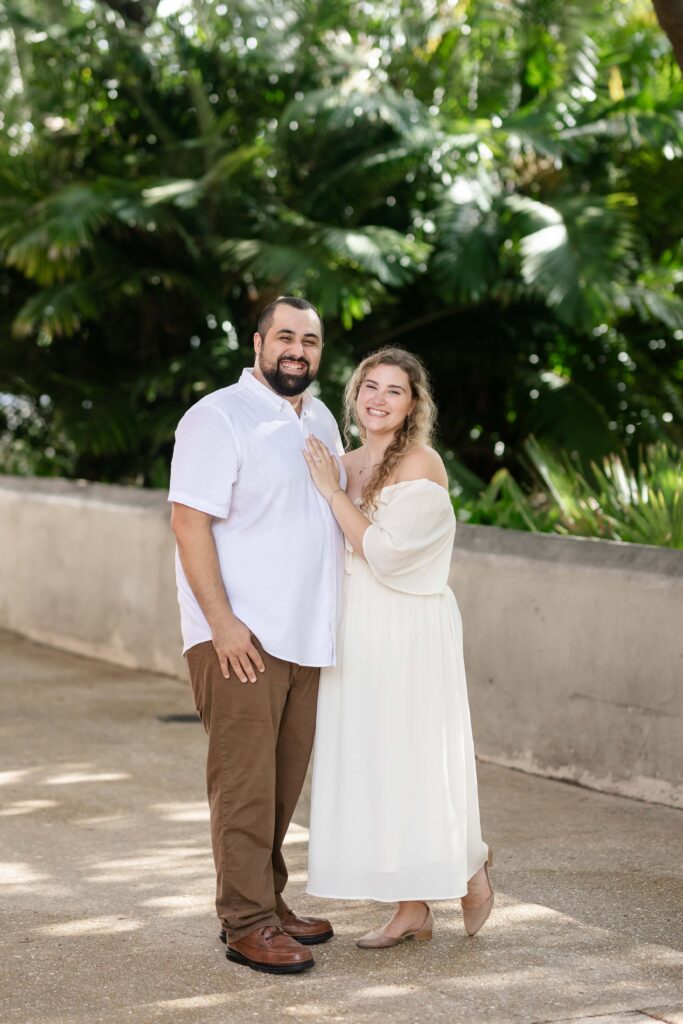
(194, 1002)
(149, 878)
(189, 842)
(112, 901)
(312, 1011)
(106, 925)
(101, 820)
(19, 874)
(20, 879)
(665, 954)
(10, 778)
(526, 913)
(153, 881)
(69, 778)
(166, 863)
(183, 812)
(26, 807)
(296, 834)
(180, 906)
(158, 859)
(384, 991)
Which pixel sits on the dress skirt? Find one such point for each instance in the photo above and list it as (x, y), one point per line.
(394, 805)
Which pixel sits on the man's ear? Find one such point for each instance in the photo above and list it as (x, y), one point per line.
(258, 342)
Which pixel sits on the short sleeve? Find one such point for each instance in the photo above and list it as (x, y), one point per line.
(415, 525)
(205, 461)
(338, 443)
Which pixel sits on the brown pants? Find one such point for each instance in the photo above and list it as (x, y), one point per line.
(260, 740)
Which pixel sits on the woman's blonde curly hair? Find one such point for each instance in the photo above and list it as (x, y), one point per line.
(417, 428)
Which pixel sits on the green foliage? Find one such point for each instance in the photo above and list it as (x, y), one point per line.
(495, 187)
(637, 500)
(502, 502)
(640, 502)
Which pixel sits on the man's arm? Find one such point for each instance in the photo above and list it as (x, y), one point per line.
(199, 559)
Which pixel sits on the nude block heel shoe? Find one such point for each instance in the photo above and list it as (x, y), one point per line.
(380, 940)
(475, 917)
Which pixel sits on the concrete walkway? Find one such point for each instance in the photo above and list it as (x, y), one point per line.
(106, 884)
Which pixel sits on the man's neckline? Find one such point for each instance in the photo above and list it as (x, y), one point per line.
(277, 401)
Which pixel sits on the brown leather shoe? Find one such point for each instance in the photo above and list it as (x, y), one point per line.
(309, 931)
(271, 951)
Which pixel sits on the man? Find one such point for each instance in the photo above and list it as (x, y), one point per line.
(259, 564)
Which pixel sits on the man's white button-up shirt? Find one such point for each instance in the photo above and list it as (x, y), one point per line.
(238, 457)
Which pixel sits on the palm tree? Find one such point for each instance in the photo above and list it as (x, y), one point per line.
(476, 186)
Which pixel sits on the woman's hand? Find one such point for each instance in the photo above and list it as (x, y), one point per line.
(326, 472)
(324, 468)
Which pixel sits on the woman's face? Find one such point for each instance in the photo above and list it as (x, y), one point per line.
(384, 400)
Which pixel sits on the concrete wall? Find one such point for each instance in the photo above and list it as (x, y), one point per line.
(89, 568)
(574, 647)
(574, 653)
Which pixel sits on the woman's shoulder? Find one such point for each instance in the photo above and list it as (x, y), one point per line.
(422, 463)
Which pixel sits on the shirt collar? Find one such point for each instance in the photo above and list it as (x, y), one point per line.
(249, 381)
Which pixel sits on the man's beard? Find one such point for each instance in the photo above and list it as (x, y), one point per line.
(286, 384)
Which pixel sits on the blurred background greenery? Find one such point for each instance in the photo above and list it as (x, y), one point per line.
(496, 185)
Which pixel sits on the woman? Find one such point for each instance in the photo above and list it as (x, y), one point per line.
(394, 810)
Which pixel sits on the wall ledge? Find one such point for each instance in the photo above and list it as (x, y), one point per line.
(590, 552)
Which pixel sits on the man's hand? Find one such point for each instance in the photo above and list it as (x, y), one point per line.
(235, 649)
(197, 549)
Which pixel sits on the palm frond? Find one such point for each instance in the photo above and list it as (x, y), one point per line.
(55, 236)
(381, 252)
(60, 227)
(576, 254)
(187, 193)
(338, 111)
(465, 263)
(358, 183)
(60, 309)
(332, 263)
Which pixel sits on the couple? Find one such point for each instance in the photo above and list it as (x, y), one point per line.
(292, 556)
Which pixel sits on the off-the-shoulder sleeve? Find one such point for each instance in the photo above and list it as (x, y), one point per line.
(409, 545)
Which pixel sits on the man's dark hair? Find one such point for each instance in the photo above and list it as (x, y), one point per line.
(265, 319)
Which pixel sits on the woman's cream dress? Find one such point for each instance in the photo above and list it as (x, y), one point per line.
(394, 806)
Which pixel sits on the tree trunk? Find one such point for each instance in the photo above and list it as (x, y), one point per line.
(670, 15)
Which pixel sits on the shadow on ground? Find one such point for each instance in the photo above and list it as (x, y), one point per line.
(107, 884)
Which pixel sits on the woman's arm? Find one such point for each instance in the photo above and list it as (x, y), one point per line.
(352, 522)
(325, 473)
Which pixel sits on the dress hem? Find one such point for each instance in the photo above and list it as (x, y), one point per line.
(397, 899)
(384, 899)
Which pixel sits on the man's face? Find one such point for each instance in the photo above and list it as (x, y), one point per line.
(289, 355)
